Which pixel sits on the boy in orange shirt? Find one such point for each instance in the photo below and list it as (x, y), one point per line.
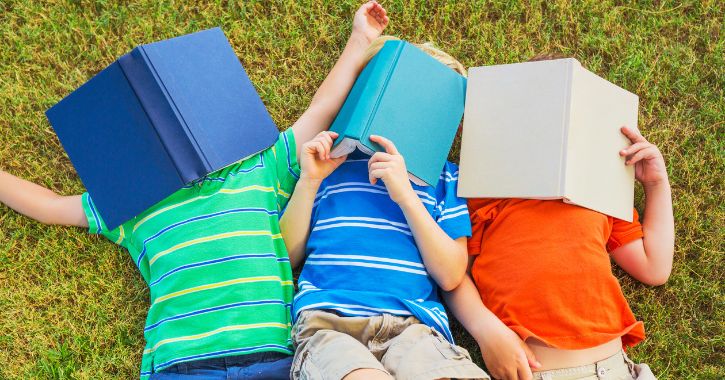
(542, 295)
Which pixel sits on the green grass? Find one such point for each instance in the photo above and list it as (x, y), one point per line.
(73, 305)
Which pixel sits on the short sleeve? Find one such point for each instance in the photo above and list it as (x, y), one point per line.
(96, 225)
(288, 169)
(483, 212)
(624, 232)
(453, 215)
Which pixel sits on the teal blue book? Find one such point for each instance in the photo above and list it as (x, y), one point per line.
(412, 99)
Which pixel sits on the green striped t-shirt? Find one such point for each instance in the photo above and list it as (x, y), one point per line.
(215, 263)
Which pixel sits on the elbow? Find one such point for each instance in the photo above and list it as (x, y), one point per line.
(657, 278)
(449, 284)
(452, 280)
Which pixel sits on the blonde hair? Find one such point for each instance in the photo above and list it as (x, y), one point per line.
(427, 47)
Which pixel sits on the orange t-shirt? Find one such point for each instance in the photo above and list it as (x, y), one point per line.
(543, 268)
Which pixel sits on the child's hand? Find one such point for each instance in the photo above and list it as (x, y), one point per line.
(390, 167)
(506, 355)
(649, 165)
(370, 20)
(315, 162)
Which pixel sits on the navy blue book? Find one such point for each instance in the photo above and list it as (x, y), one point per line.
(159, 117)
(409, 97)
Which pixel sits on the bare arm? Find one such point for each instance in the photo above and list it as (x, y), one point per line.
(444, 258)
(316, 165)
(313, 142)
(649, 260)
(505, 354)
(39, 203)
(368, 22)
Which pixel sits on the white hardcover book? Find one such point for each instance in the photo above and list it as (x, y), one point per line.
(547, 130)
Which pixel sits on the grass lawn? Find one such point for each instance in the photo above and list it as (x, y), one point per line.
(73, 305)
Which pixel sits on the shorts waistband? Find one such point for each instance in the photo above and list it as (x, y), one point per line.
(610, 368)
(225, 362)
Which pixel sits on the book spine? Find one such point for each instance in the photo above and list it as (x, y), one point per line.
(392, 63)
(191, 138)
(168, 122)
(565, 130)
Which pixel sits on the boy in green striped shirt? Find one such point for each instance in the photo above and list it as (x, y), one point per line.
(212, 253)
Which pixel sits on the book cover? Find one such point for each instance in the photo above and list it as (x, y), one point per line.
(412, 99)
(159, 117)
(547, 130)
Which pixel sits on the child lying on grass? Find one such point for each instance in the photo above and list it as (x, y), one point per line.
(543, 295)
(217, 269)
(375, 255)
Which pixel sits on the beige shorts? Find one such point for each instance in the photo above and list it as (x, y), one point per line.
(329, 346)
(616, 367)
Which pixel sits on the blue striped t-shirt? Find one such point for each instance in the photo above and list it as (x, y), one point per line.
(362, 259)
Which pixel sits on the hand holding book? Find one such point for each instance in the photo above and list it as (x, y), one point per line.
(649, 165)
(390, 167)
(315, 161)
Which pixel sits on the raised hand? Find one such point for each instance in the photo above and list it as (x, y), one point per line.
(315, 162)
(649, 165)
(390, 167)
(370, 20)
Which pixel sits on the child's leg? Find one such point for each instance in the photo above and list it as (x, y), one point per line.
(367, 374)
(332, 347)
(420, 352)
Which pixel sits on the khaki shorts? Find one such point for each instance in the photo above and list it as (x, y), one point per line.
(616, 367)
(329, 346)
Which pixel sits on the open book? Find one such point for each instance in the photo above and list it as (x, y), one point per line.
(159, 117)
(547, 130)
(409, 97)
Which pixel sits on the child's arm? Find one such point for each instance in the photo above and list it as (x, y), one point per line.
(443, 257)
(39, 203)
(368, 23)
(316, 165)
(649, 260)
(505, 354)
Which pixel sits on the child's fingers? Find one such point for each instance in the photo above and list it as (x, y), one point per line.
(530, 357)
(316, 147)
(375, 6)
(329, 139)
(379, 157)
(326, 138)
(524, 373)
(331, 134)
(374, 175)
(379, 165)
(385, 143)
(319, 149)
(634, 148)
(374, 10)
(369, 5)
(327, 144)
(339, 160)
(643, 154)
(632, 135)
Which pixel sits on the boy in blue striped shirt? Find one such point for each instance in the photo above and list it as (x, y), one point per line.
(375, 254)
